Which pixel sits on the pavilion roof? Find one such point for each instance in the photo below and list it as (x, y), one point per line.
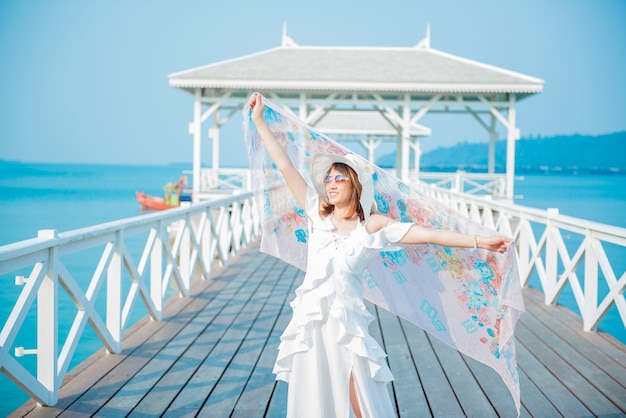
(354, 69)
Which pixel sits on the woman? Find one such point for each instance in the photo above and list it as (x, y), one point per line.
(334, 367)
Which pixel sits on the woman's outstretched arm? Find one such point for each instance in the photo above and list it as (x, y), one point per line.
(277, 153)
(421, 235)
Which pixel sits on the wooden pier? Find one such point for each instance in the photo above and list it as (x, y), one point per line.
(212, 356)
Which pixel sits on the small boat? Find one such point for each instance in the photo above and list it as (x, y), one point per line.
(173, 194)
(154, 202)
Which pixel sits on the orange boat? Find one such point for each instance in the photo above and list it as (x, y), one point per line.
(173, 192)
(153, 202)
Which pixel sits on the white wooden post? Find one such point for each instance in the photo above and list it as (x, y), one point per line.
(512, 135)
(369, 145)
(491, 168)
(406, 121)
(184, 255)
(114, 301)
(214, 133)
(156, 272)
(458, 182)
(501, 188)
(235, 226)
(224, 233)
(523, 250)
(205, 242)
(197, 144)
(417, 156)
(48, 322)
(591, 283)
(246, 222)
(302, 108)
(551, 258)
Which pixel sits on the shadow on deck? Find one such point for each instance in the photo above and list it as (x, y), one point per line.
(213, 353)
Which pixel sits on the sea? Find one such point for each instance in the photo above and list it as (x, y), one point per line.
(64, 197)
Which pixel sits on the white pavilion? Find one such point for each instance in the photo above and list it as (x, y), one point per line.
(364, 94)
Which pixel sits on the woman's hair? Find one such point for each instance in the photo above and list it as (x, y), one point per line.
(355, 199)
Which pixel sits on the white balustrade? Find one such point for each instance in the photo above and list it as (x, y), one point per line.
(176, 246)
(223, 180)
(559, 249)
(463, 182)
(180, 244)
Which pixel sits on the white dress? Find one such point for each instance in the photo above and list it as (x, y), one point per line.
(328, 337)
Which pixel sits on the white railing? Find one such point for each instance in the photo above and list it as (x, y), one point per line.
(559, 249)
(463, 182)
(227, 180)
(172, 246)
(223, 180)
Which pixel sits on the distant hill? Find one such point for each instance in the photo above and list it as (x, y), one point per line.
(574, 153)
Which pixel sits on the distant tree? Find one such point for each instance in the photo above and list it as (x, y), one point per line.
(570, 152)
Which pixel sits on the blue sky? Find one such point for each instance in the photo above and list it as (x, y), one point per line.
(86, 81)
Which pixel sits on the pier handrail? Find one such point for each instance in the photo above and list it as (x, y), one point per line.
(540, 237)
(175, 245)
(223, 179)
(465, 182)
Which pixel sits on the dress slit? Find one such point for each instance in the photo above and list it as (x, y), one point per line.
(353, 389)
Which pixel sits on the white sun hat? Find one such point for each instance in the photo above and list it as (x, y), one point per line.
(320, 166)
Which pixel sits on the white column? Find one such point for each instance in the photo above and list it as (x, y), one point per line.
(417, 157)
(302, 109)
(214, 133)
(406, 122)
(197, 144)
(512, 135)
(492, 146)
(369, 145)
(405, 156)
(399, 155)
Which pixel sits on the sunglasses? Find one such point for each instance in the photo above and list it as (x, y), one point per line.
(339, 179)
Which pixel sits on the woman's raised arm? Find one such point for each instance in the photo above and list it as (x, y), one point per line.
(277, 153)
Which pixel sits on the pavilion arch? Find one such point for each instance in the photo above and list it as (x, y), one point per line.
(400, 84)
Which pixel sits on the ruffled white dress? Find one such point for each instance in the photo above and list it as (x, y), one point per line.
(328, 337)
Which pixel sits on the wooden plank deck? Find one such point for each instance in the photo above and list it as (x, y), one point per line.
(213, 353)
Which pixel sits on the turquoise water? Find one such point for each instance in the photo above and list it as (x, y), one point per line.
(67, 197)
(599, 198)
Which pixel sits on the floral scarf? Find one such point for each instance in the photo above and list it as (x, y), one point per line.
(469, 299)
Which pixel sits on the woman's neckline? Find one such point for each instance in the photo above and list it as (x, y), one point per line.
(334, 230)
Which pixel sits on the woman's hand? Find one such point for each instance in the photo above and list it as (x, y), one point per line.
(257, 106)
(497, 243)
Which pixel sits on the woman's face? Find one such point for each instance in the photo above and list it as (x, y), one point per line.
(338, 188)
